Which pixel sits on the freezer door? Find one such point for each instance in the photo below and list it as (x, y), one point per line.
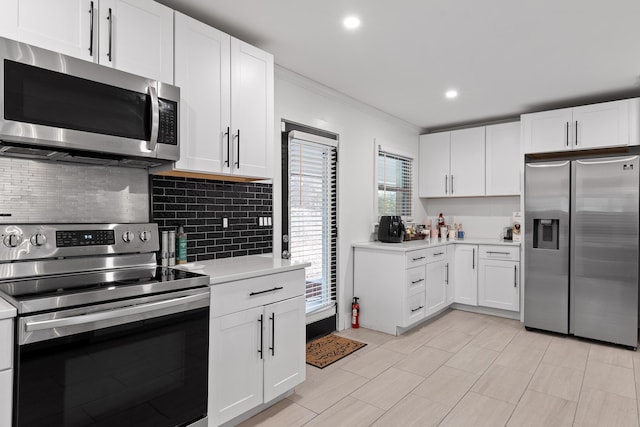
(547, 206)
(605, 276)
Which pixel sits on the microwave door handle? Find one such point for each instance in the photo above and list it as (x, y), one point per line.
(155, 118)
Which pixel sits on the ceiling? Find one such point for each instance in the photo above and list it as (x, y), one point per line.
(504, 57)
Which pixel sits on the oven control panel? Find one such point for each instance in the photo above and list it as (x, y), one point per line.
(30, 242)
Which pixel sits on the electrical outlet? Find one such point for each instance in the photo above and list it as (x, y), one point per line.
(225, 222)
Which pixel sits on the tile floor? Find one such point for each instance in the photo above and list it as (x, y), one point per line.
(466, 369)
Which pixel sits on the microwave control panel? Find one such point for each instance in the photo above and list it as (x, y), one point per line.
(168, 121)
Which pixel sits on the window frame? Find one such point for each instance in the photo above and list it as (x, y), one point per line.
(398, 154)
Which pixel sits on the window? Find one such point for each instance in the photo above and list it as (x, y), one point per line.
(394, 184)
(312, 214)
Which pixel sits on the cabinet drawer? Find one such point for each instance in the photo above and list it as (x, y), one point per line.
(243, 294)
(6, 343)
(415, 280)
(436, 254)
(509, 253)
(414, 309)
(416, 258)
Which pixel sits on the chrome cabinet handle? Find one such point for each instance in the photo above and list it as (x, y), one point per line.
(446, 278)
(576, 133)
(91, 30)
(155, 118)
(451, 184)
(501, 253)
(439, 253)
(515, 276)
(446, 182)
(226, 162)
(277, 288)
(238, 152)
(417, 259)
(473, 259)
(416, 309)
(273, 334)
(110, 19)
(567, 134)
(417, 281)
(261, 335)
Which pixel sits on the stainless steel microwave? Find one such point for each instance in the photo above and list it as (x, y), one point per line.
(55, 107)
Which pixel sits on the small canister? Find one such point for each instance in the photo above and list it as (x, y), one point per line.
(164, 254)
(452, 234)
(434, 233)
(172, 247)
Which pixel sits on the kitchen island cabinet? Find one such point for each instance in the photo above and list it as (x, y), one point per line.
(257, 334)
(104, 31)
(607, 124)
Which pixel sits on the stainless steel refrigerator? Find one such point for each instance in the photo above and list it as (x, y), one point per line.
(581, 253)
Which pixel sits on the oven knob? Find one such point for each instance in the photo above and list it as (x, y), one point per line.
(128, 236)
(12, 240)
(145, 235)
(38, 239)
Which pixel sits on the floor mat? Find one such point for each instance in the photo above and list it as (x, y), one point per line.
(324, 351)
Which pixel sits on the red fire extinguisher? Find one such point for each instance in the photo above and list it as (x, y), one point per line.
(355, 313)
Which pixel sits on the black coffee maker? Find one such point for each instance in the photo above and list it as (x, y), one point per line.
(391, 229)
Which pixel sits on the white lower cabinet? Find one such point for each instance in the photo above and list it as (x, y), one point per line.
(6, 392)
(499, 278)
(436, 292)
(258, 352)
(466, 274)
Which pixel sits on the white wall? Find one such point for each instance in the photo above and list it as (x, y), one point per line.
(481, 217)
(306, 102)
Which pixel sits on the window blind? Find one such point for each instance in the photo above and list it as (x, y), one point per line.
(313, 217)
(394, 184)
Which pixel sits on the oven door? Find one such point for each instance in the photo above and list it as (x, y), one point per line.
(141, 362)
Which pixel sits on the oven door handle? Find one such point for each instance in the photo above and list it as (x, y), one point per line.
(139, 311)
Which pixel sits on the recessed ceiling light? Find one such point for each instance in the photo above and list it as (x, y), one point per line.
(351, 22)
(451, 93)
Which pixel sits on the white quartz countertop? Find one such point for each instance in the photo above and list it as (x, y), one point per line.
(6, 310)
(245, 267)
(421, 244)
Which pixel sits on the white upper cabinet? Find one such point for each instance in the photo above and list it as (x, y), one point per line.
(608, 124)
(452, 163)
(467, 162)
(136, 36)
(63, 26)
(503, 152)
(226, 109)
(203, 74)
(434, 165)
(251, 110)
(131, 35)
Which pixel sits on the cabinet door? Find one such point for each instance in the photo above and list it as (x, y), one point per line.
(601, 125)
(251, 110)
(436, 286)
(235, 364)
(6, 396)
(547, 131)
(62, 26)
(466, 274)
(284, 365)
(434, 165)
(450, 276)
(202, 73)
(503, 159)
(137, 36)
(498, 285)
(467, 162)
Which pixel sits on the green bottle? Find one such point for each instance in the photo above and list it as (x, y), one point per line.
(181, 244)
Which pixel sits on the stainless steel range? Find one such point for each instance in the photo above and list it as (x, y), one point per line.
(103, 336)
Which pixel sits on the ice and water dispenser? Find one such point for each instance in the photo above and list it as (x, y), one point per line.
(545, 233)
